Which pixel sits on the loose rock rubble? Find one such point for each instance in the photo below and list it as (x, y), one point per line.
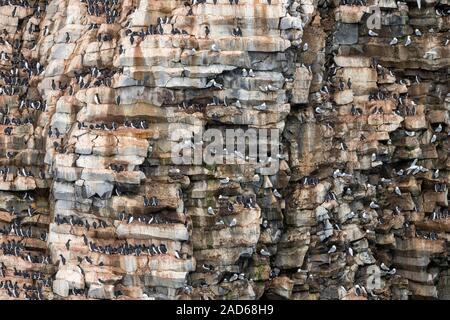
(92, 206)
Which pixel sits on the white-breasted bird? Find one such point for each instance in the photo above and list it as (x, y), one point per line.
(433, 139)
(436, 174)
(215, 48)
(384, 267)
(261, 107)
(332, 249)
(276, 193)
(225, 180)
(393, 42)
(372, 33)
(408, 41)
(373, 205)
(350, 251)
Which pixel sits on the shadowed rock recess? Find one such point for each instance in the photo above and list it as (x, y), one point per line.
(93, 207)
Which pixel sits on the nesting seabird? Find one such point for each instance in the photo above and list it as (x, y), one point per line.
(373, 205)
(433, 139)
(225, 180)
(68, 244)
(215, 48)
(393, 42)
(63, 260)
(305, 47)
(408, 41)
(372, 33)
(97, 98)
(261, 107)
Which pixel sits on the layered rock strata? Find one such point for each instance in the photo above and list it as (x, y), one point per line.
(94, 207)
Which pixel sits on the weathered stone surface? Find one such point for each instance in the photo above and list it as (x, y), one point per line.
(93, 203)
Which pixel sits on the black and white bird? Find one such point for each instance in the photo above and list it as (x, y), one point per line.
(63, 260)
(393, 42)
(433, 139)
(408, 41)
(276, 193)
(68, 244)
(97, 98)
(215, 48)
(372, 33)
(225, 180)
(261, 107)
(373, 205)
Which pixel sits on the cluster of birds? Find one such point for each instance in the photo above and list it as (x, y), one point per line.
(37, 5)
(109, 8)
(33, 275)
(30, 292)
(15, 122)
(15, 248)
(439, 214)
(15, 228)
(113, 126)
(236, 2)
(227, 208)
(353, 2)
(310, 181)
(87, 78)
(153, 29)
(77, 221)
(405, 106)
(428, 235)
(151, 202)
(128, 249)
(158, 28)
(16, 80)
(151, 219)
(187, 106)
(440, 11)
(92, 77)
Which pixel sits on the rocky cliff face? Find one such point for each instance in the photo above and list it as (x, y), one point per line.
(92, 205)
